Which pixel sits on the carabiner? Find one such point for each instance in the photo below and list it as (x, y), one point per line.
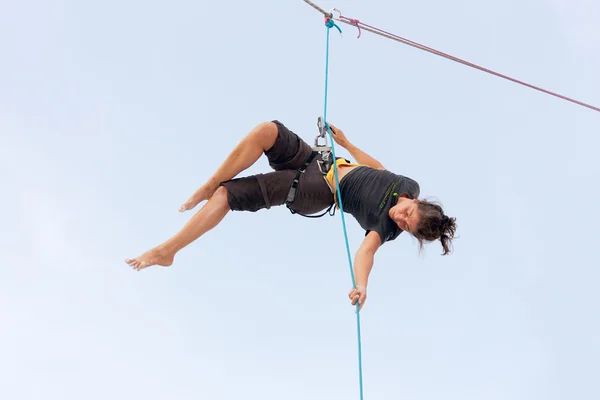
(331, 13)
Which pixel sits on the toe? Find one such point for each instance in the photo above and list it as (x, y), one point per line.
(141, 266)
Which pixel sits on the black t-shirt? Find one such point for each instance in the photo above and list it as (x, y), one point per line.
(369, 193)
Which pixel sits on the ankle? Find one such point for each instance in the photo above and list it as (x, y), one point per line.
(211, 186)
(167, 249)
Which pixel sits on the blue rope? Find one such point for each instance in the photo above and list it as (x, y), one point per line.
(330, 24)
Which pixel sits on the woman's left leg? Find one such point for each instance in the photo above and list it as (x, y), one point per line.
(204, 220)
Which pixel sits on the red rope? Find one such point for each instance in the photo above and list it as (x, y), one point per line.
(357, 23)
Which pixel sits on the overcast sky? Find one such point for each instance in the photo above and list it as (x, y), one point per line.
(112, 113)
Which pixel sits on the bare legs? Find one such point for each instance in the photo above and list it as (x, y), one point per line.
(243, 156)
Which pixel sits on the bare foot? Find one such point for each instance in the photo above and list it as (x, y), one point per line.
(156, 256)
(202, 194)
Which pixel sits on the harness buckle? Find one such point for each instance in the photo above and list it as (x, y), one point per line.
(325, 162)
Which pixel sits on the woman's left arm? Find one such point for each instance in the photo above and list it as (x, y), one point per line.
(360, 156)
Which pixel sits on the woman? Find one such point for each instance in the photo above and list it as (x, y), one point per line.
(384, 203)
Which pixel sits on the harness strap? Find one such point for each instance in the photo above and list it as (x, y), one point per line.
(294, 188)
(331, 207)
(292, 193)
(263, 189)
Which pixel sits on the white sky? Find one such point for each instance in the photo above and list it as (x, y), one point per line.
(113, 113)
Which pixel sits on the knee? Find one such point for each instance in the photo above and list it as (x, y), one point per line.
(266, 134)
(220, 196)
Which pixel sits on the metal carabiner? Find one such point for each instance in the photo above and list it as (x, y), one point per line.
(331, 13)
(322, 127)
(323, 149)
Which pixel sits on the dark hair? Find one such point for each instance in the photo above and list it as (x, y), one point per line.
(434, 224)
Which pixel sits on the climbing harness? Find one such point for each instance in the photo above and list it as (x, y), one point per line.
(324, 164)
(294, 188)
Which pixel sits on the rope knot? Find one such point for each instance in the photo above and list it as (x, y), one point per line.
(330, 23)
(354, 22)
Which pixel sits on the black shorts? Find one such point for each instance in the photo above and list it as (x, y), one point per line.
(290, 152)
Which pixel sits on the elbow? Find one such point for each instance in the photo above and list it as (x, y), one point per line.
(367, 252)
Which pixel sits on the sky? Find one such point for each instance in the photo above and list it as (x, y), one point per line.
(113, 113)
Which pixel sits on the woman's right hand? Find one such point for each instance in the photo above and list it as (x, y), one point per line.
(338, 136)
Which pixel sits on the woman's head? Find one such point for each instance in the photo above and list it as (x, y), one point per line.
(425, 220)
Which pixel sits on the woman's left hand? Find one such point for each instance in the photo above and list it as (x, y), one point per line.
(359, 294)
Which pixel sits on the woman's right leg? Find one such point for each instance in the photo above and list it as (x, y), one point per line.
(246, 153)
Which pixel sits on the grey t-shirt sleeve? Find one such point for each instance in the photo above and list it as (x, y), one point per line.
(387, 230)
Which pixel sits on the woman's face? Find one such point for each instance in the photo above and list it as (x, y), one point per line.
(406, 214)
